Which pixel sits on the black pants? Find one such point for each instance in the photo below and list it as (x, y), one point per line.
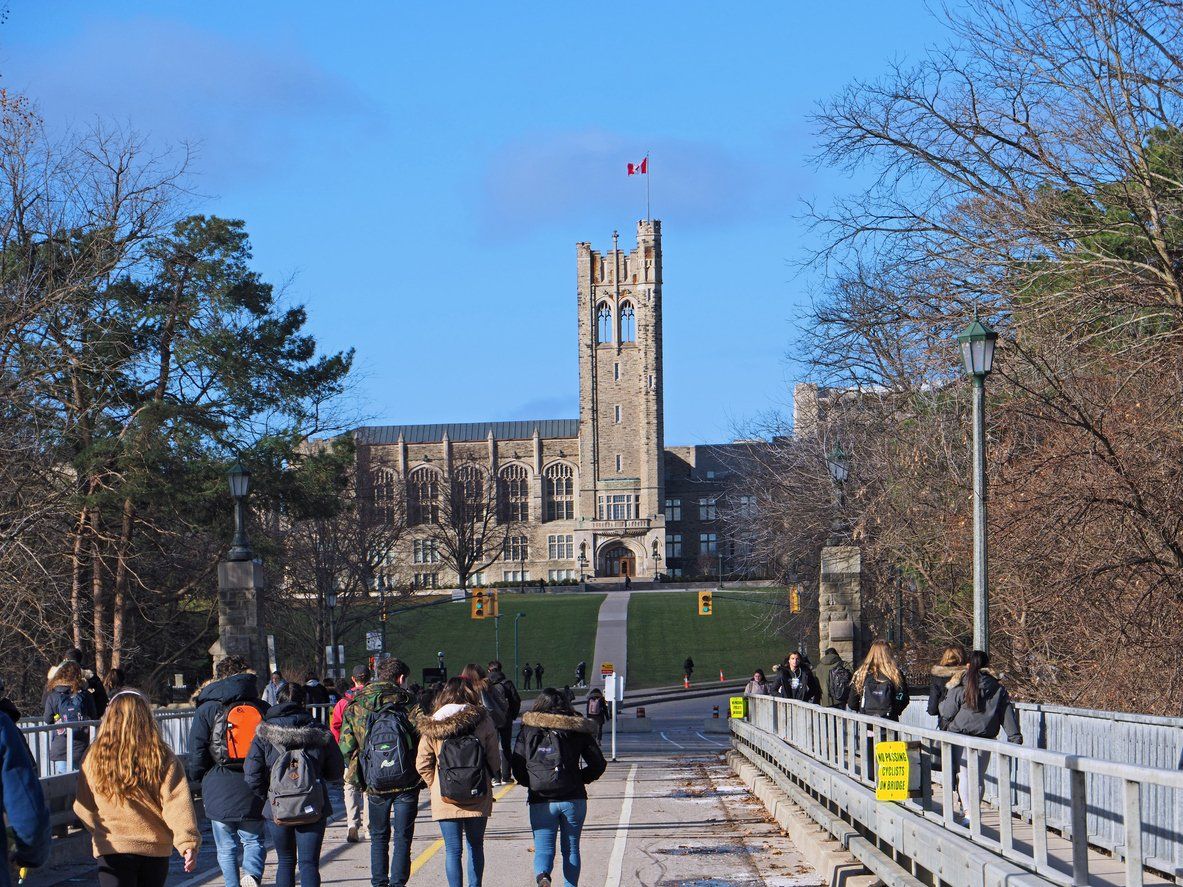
(506, 735)
(132, 870)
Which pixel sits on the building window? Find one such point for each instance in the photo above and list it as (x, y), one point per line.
(477, 579)
(618, 506)
(616, 371)
(617, 411)
(628, 323)
(560, 547)
(675, 572)
(559, 491)
(708, 508)
(559, 575)
(427, 580)
(382, 486)
(619, 463)
(517, 548)
(747, 506)
(673, 545)
(604, 324)
(423, 490)
(514, 494)
(708, 543)
(515, 575)
(424, 551)
(673, 510)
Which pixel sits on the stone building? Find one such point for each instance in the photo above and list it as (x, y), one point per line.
(595, 496)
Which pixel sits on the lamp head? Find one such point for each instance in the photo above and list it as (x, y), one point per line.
(838, 464)
(977, 348)
(240, 480)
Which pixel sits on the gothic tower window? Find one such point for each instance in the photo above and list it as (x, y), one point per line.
(513, 494)
(423, 491)
(604, 324)
(468, 485)
(382, 487)
(628, 323)
(559, 492)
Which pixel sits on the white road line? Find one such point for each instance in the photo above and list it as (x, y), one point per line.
(711, 741)
(671, 742)
(616, 861)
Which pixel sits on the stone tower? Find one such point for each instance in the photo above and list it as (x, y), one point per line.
(621, 438)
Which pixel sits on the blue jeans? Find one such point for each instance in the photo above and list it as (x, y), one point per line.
(472, 830)
(391, 868)
(294, 843)
(557, 819)
(61, 767)
(228, 837)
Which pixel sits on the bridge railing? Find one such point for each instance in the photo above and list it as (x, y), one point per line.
(1046, 788)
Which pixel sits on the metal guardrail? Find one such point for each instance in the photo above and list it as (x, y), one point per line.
(1031, 784)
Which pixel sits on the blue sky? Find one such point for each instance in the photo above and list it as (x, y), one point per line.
(418, 174)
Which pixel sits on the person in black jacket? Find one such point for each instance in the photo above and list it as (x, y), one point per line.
(67, 700)
(559, 806)
(795, 680)
(878, 687)
(952, 664)
(314, 691)
(235, 812)
(499, 684)
(288, 726)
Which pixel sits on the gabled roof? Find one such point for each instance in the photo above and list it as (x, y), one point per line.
(523, 429)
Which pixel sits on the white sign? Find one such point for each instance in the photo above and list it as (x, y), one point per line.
(458, 594)
(373, 641)
(614, 687)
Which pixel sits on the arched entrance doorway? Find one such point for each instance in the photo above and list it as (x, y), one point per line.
(618, 560)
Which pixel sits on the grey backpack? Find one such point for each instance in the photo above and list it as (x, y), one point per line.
(296, 795)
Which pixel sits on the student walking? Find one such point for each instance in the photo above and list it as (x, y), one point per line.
(538, 671)
(952, 665)
(68, 701)
(25, 842)
(228, 714)
(509, 700)
(271, 691)
(527, 675)
(287, 766)
(458, 746)
(878, 687)
(94, 687)
(976, 704)
(133, 798)
(356, 805)
(758, 685)
(379, 739)
(833, 680)
(795, 680)
(597, 711)
(555, 757)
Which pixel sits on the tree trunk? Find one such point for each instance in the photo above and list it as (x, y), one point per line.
(98, 592)
(77, 573)
(119, 609)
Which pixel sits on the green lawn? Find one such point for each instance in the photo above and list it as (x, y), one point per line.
(559, 629)
(665, 628)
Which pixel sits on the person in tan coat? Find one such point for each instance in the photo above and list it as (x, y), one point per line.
(133, 797)
(458, 748)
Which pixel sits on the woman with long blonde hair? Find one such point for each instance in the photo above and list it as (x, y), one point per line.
(133, 797)
(66, 702)
(878, 687)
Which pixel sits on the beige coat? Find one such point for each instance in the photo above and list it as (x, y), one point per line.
(432, 735)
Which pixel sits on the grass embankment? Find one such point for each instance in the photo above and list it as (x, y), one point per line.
(664, 628)
(558, 629)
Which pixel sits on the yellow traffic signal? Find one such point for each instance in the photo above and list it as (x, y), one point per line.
(705, 603)
(480, 608)
(795, 599)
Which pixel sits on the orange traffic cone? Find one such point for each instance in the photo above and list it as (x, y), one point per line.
(686, 681)
(721, 678)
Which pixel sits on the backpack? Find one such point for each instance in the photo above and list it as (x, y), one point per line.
(497, 705)
(549, 775)
(595, 707)
(878, 697)
(462, 768)
(838, 683)
(234, 729)
(69, 710)
(295, 795)
(388, 754)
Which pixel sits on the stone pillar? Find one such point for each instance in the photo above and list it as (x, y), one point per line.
(240, 630)
(840, 603)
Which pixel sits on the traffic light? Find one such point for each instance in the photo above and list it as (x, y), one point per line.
(480, 604)
(795, 598)
(705, 603)
(493, 598)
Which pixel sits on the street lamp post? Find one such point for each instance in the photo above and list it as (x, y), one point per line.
(382, 612)
(656, 561)
(497, 636)
(331, 603)
(240, 485)
(517, 665)
(582, 565)
(977, 354)
(720, 553)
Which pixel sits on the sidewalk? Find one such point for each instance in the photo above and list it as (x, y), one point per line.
(611, 638)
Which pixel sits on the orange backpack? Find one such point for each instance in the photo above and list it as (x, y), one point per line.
(234, 729)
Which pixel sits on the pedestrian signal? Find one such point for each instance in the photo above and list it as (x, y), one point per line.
(705, 603)
(480, 604)
(795, 599)
(493, 600)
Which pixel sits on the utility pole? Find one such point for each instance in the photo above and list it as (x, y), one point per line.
(517, 665)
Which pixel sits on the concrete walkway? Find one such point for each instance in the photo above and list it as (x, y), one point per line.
(611, 638)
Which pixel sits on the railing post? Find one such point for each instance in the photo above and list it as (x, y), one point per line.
(948, 776)
(1005, 805)
(1132, 821)
(973, 791)
(1038, 816)
(1080, 834)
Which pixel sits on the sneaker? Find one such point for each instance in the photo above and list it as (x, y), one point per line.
(351, 836)
(496, 782)
(249, 880)
(544, 881)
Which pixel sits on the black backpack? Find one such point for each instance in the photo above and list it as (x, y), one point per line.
(550, 777)
(388, 753)
(878, 697)
(496, 703)
(462, 768)
(839, 683)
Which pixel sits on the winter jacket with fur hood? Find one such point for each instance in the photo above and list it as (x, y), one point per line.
(453, 720)
(938, 680)
(581, 753)
(286, 727)
(997, 711)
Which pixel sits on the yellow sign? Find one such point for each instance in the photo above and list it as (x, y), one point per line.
(607, 668)
(739, 707)
(897, 771)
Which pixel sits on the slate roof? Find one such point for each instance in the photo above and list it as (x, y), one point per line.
(548, 429)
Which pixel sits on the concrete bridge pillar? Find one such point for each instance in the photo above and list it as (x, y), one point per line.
(240, 630)
(840, 604)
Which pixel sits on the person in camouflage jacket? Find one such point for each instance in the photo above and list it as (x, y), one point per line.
(393, 810)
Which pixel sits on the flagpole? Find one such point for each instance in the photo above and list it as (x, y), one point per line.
(648, 216)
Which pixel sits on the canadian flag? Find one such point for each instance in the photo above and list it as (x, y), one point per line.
(639, 169)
